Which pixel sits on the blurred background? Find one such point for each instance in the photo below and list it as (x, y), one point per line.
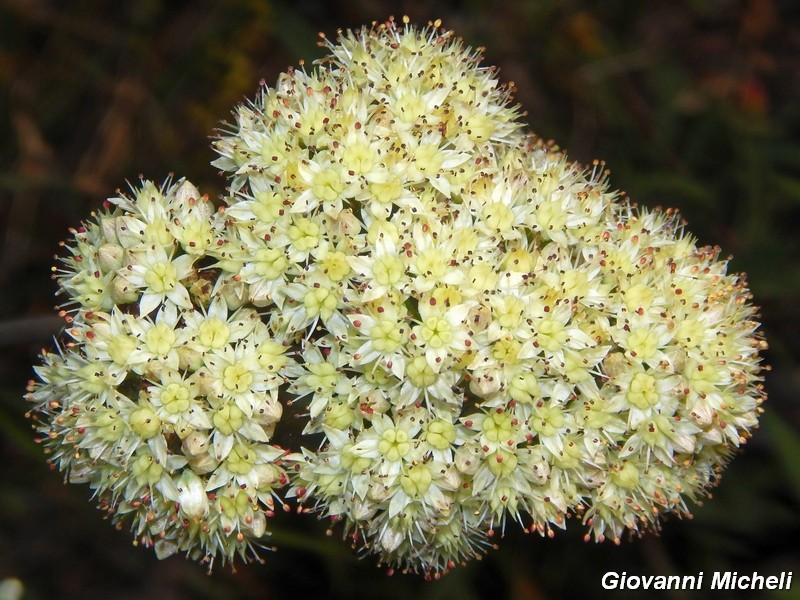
(693, 104)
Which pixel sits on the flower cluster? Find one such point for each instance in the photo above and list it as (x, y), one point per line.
(474, 329)
(164, 398)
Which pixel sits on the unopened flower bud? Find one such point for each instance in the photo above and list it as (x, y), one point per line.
(192, 496)
(390, 540)
(122, 291)
(108, 228)
(202, 464)
(196, 443)
(109, 257)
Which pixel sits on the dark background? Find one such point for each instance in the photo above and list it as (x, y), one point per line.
(693, 104)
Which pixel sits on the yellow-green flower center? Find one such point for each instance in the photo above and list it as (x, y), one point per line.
(240, 460)
(146, 470)
(238, 506)
(176, 398)
(327, 185)
(320, 301)
(160, 339)
(358, 157)
(213, 333)
(120, 348)
(643, 343)
(335, 266)
(323, 377)
(498, 427)
(388, 270)
(419, 372)
(236, 378)
(145, 423)
(436, 332)
(386, 336)
(267, 206)
(498, 217)
(441, 434)
(304, 234)
(161, 277)
(642, 392)
(501, 463)
(416, 480)
(547, 421)
(228, 419)
(394, 444)
(270, 263)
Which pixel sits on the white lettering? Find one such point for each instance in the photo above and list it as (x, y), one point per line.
(610, 580)
(690, 582)
(721, 581)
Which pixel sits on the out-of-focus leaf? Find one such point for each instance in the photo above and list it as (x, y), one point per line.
(766, 265)
(13, 428)
(296, 35)
(665, 186)
(785, 154)
(286, 538)
(787, 186)
(787, 445)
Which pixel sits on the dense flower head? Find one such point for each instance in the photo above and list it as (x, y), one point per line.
(163, 397)
(474, 329)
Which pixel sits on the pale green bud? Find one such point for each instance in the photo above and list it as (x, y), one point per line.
(110, 257)
(145, 423)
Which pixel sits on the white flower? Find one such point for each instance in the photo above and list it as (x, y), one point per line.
(157, 341)
(442, 331)
(470, 329)
(176, 400)
(160, 276)
(214, 328)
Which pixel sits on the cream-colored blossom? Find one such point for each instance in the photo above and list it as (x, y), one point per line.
(467, 329)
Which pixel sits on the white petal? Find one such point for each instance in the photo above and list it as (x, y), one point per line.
(168, 315)
(183, 265)
(158, 447)
(149, 302)
(305, 202)
(218, 308)
(241, 211)
(223, 444)
(336, 437)
(219, 478)
(130, 231)
(441, 184)
(398, 366)
(179, 296)
(337, 325)
(197, 418)
(398, 503)
(454, 159)
(167, 488)
(373, 293)
(253, 431)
